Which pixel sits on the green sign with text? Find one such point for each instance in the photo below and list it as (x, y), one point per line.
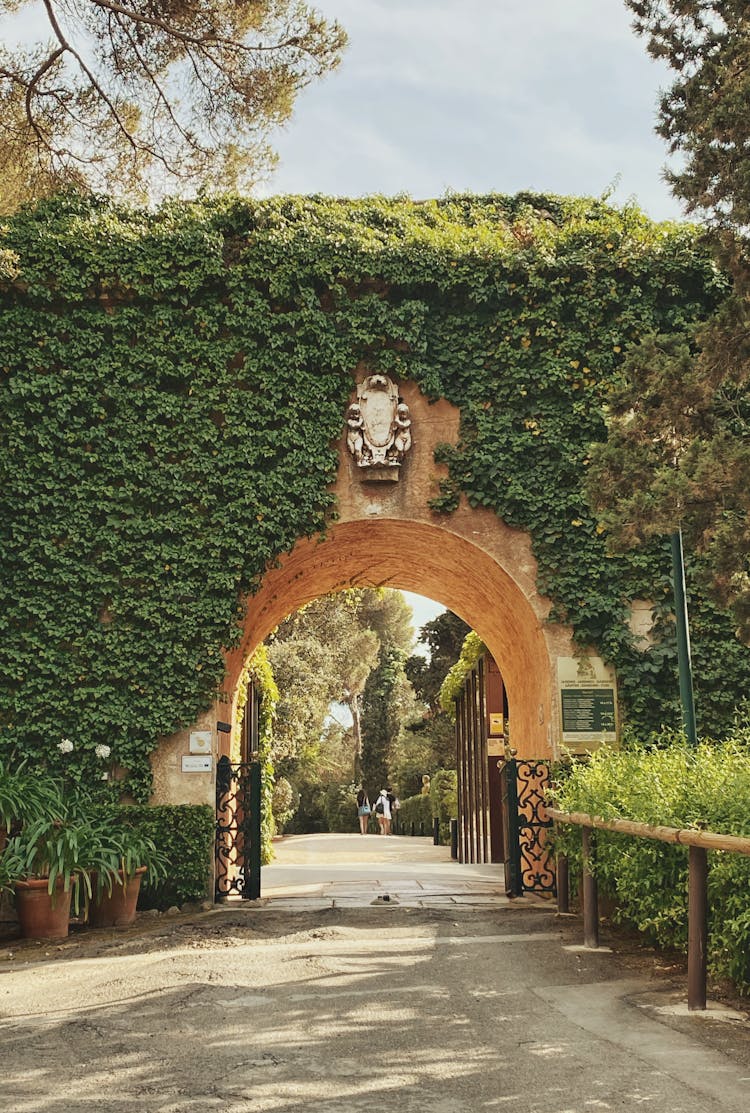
(588, 710)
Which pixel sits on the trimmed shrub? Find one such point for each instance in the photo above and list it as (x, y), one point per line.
(284, 802)
(443, 801)
(675, 786)
(416, 810)
(185, 833)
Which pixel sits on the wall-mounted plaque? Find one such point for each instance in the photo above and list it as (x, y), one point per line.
(193, 763)
(201, 742)
(588, 703)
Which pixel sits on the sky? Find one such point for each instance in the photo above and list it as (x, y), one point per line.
(483, 95)
(486, 96)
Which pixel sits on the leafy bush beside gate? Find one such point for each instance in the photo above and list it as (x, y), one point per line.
(185, 833)
(673, 786)
(443, 801)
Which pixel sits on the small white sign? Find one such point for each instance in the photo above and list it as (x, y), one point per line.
(196, 764)
(201, 742)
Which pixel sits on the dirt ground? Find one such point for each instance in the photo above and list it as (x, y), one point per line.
(445, 998)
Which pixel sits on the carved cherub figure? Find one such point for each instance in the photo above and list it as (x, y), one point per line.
(354, 436)
(402, 439)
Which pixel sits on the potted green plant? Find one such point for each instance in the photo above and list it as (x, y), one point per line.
(23, 795)
(53, 860)
(115, 894)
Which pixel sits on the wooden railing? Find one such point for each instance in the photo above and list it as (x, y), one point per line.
(698, 843)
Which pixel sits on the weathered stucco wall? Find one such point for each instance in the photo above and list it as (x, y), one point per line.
(386, 535)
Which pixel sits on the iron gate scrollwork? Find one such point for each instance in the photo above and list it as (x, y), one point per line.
(529, 866)
(237, 829)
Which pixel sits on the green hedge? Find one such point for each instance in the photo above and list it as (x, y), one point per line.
(340, 808)
(416, 810)
(443, 801)
(185, 832)
(440, 804)
(708, 787)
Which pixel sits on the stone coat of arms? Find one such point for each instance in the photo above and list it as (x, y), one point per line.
(378, 424)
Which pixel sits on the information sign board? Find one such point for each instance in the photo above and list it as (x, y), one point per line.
(588, 703)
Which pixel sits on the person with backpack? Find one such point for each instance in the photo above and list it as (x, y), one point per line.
(363, 810)
(383, 813)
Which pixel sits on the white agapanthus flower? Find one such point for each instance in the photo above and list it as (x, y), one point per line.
(65, 747)
(102, 751)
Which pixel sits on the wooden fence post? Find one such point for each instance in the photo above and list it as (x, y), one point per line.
(697, 927)
(563, 884)
(590, 893)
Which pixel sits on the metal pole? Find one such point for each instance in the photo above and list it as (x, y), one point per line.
(513, 875)
(251, 890)
(563, 886)
(683, 639)
(454, 839)
(590, 893)
(435, 831)
(697, 927)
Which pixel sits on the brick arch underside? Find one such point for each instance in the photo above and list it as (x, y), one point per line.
(431, 561)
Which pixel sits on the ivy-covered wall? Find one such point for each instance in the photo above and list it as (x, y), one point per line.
(172, 385)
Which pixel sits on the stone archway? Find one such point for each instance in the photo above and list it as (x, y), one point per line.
(433, 561)
(386, 535)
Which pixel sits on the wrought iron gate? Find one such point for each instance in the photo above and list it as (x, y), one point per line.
(528, 862)
(237, 829)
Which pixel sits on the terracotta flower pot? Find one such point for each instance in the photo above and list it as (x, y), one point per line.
(116, 909)
(43, 915)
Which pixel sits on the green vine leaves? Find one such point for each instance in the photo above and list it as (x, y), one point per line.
(172, 387)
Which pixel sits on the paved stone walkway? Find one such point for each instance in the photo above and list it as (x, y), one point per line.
(355, 871)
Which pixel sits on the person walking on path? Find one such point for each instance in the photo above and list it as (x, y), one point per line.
(363, 810)
(383, 813)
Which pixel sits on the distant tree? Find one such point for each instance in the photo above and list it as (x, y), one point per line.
(388, 703)
(443, 636)
(388, 698)
(329, 659)
(678, 451)
(428, 742)
(704, 114)
(129, 94)
(322, 655)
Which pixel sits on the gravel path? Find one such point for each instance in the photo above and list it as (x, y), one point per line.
(422, 1003)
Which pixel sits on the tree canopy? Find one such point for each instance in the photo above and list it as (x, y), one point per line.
(443, 636)
(704, 114)
(153, 94)
(320, 655)
(678, 452)
(348, 649)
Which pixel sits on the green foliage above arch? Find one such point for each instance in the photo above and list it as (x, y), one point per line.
(172, 386)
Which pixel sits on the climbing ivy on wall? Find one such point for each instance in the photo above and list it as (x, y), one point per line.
(258, 669)
(172, 388)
